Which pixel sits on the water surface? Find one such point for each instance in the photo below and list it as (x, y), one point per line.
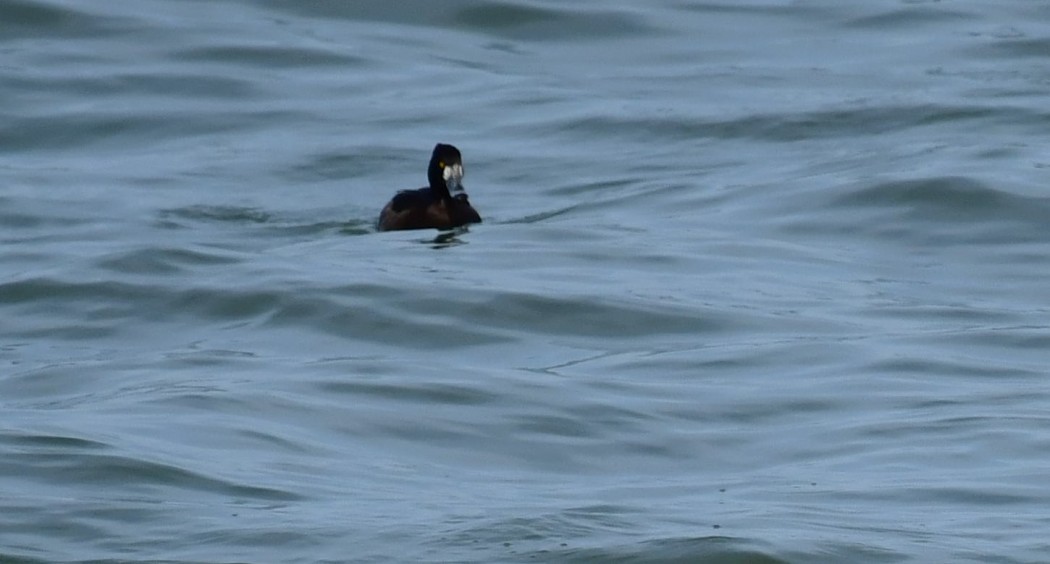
(757, 282)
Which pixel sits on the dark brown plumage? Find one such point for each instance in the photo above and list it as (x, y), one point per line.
(441, 205)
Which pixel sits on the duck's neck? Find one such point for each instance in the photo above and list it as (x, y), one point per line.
(440, 190)
(437, 183)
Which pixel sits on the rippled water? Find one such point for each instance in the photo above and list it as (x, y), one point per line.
(758, 281)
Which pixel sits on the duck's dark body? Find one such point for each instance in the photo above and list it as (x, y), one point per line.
(433, 207)
(420, 209)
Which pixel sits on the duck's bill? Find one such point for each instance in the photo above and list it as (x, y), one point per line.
(453, 175)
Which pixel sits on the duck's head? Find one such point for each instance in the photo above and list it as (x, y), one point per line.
(446, 170)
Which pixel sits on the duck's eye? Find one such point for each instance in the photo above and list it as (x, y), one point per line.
(441, 164)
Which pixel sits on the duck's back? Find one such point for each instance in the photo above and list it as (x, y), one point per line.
(419, 209)
(406, 210)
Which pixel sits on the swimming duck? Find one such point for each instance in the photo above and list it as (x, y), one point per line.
(441, 205)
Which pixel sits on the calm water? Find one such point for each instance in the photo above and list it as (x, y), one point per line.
(759, 281)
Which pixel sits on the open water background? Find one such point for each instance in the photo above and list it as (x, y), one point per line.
(759, 281)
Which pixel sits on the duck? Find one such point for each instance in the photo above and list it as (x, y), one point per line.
(442, 205)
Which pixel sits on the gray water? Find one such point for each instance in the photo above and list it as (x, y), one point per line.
(759, 281)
